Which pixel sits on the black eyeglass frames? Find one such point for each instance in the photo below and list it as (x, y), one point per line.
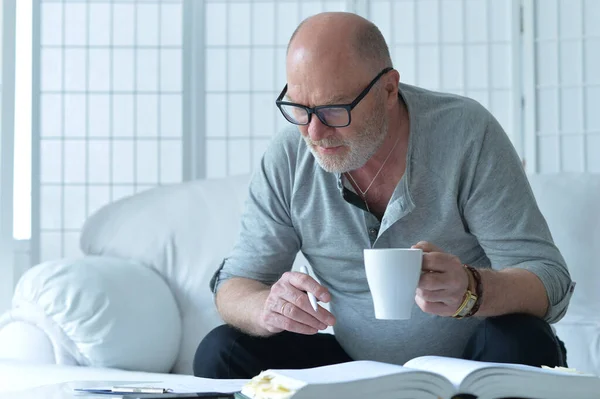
(336, 115)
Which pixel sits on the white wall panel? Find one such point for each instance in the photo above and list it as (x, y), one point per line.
(459, 46)
(52, 23)
(98, 35)
(146, 167)
(74, 25)
(122, 165)
(70, 241)
(74, 162)
(170, 114)
(217, 155)
(170, 70)
(51, 75)
(169, 159)
(51, 245)
(146, 27)
(51, 161)
(145, 115)
(51, 199)
(565, 87)
(99, 163)
(109, 98)
(239, 154)
(75, 201)
(51, 115)
(171, 24)
(75, 124)
(99, 69)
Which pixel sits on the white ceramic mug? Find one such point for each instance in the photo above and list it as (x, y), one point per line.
(393, 275)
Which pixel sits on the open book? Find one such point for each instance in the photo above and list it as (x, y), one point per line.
(427, 377)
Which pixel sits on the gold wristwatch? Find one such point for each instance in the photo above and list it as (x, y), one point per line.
(466, 308)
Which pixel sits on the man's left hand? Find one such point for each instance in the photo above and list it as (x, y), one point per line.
(443, 281)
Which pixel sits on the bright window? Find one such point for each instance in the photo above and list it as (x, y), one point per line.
(22, 171)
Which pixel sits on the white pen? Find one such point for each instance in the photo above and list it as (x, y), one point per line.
(311, 296)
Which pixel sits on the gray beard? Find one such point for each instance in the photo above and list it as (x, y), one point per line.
(362, 147)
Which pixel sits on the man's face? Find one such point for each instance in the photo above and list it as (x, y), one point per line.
(339, 150)
(350, 147)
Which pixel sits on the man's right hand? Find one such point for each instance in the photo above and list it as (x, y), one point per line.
(287, 307)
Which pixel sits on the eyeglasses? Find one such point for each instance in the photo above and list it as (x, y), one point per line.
(330, 115)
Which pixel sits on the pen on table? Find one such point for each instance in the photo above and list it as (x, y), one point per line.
(138, 390)
(311, 296)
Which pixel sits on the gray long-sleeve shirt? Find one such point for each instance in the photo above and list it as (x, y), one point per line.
(463, 190)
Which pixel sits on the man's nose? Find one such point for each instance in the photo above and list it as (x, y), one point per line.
(317, 130)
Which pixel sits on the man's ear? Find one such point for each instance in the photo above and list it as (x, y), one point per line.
(391, 87)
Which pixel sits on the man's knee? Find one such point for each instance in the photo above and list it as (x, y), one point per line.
(521, 330)
(516, 338)
(214, 351)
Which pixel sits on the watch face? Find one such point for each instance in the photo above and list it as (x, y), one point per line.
(472, 300)
(466, 308)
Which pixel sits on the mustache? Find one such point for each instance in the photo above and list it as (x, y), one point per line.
(325, 142)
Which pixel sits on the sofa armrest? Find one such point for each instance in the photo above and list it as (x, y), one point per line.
(21, 340)
(569, 203)
(94, 311)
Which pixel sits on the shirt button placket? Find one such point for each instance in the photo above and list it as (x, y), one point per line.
(373, 235)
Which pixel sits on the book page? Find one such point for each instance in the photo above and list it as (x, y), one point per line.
(458, 370)
(455, 370)
(348, 380)
(344, 372)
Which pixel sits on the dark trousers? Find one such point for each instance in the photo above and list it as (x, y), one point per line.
(228, 353)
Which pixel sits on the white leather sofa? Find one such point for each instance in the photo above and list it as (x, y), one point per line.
(139, 299)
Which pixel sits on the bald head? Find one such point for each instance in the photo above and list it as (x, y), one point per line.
(342, 37)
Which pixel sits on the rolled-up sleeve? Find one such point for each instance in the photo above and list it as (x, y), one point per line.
(500, 210)
(268, 242)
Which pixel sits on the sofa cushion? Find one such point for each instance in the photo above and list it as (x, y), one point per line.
(102, 312)
(571, 205)
(183, 231)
